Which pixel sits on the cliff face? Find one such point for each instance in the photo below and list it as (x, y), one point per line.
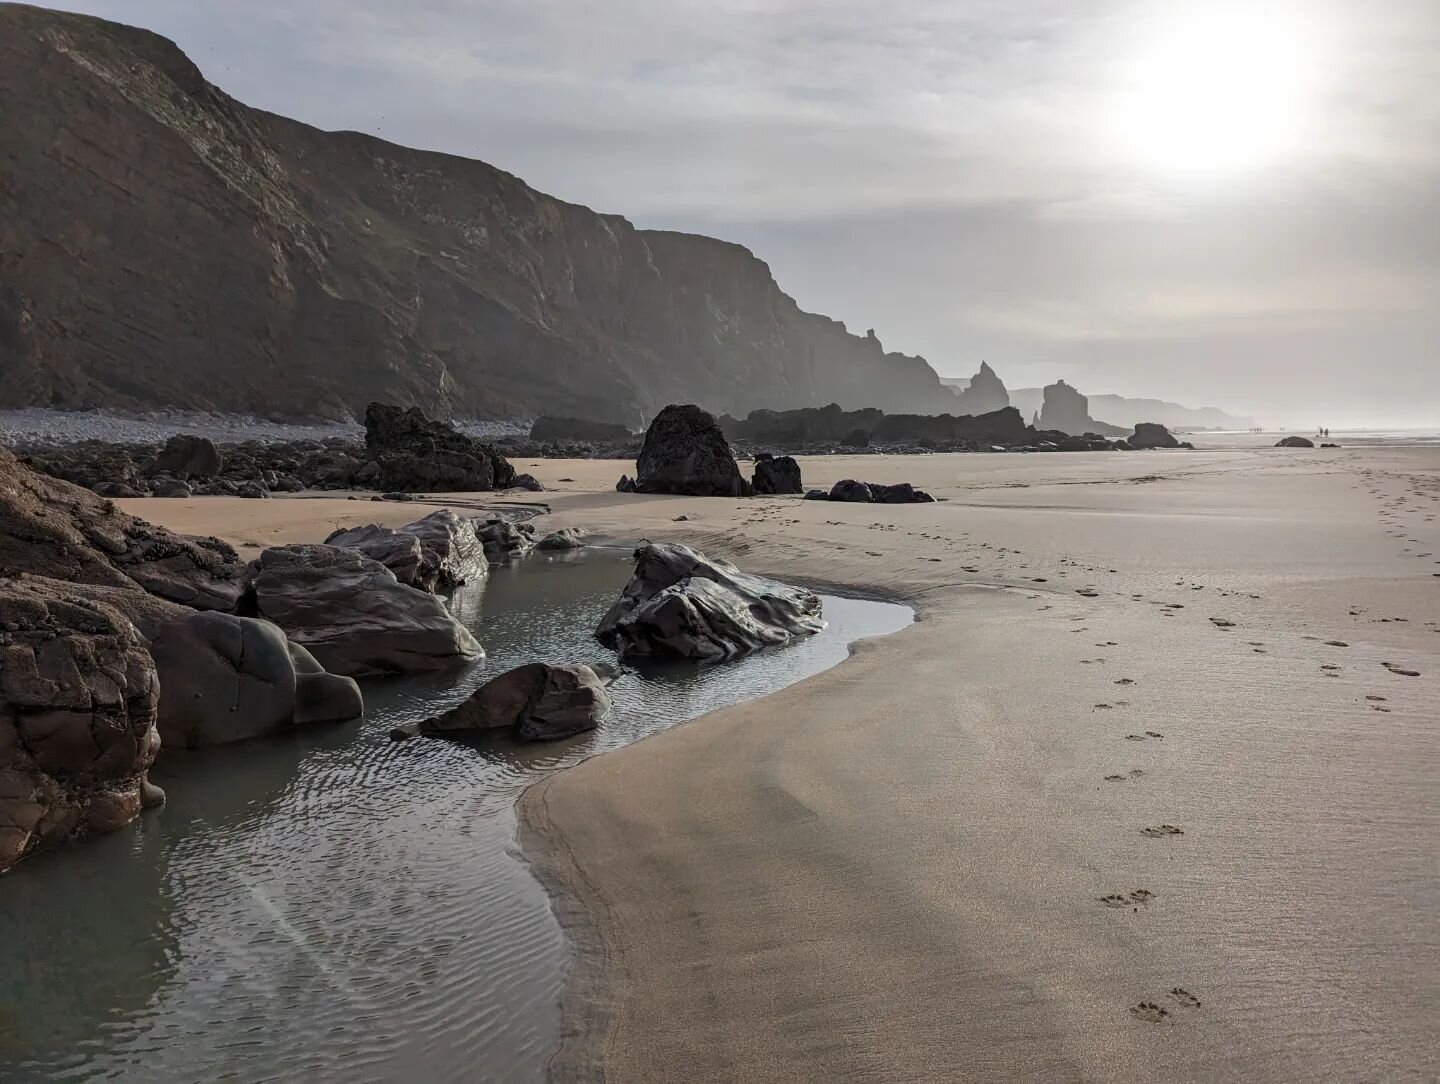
(163, 245)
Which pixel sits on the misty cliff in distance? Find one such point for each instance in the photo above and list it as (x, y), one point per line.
(164, 245)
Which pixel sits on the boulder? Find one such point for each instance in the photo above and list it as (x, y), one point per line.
(848, 489)
(353, 615)
(1295, 442)
(399, 551)
(527, 481)
(1152, 435)
(452, 548)
(187, 456)
(816, 495)
(504, 540)
(119, 490)
(54, 529)
(685, 452)
(681, 604)
(776, 475)
(567, 538)
(78, 702)
(415, 453)
(535, 702)
(226, 679)
(899, 493)
(625, 485)
(169, 487)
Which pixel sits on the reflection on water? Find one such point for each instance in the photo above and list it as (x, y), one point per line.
(333, 905)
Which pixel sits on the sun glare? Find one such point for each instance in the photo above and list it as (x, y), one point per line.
(1216, 89)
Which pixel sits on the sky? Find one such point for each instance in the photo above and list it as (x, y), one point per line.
(1232, 203)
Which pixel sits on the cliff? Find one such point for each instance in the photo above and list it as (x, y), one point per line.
(162, 245)
(1065, 410)
(984, 394)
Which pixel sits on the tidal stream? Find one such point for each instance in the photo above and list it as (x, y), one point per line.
(329, 905)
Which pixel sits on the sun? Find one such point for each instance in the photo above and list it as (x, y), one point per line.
(1214, 89)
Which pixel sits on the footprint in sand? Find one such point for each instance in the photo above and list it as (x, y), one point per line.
(1160, 831)
(1184, 997)
(1394, 669)
(1149, 1012)
(1153, 734)
(1103, 707)
(1122, 703)
(1134, 737)
(1142, 895)
(1089, 593)
(1222, 623)
(1336, 643)
(1117, 778)
(1124, 681)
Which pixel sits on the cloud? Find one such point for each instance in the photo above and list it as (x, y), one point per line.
(943, 171)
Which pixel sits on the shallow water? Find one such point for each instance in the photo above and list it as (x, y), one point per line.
(332, 905)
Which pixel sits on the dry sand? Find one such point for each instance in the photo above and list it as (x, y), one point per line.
(948, 858)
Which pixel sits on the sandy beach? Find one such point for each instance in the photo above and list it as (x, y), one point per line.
(1148, 792)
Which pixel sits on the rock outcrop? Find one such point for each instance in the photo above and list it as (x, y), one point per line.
(776, 474)
(416, 453)
(854, 492)
(226, 679)
(566, 538)
(453, 551)
(1152, 435)
(534, 702)
(681, 604)
(985, 394)
(1295, 442)
(547, 428)
(354, 616)
(505, 540)
(797, 429)
(78, 702)
(398, 550)
(311, 272)
(685, 452)
(52, 528)
(1065, 410)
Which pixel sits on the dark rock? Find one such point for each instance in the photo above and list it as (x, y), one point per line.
(253, 491)
(576, 429)
(625, 485)
(58, 530)
(116, 489)
(567, 538)
(856, 438)
(682, 604)
(1152, 435)
(816, 495)
(354, 616)
(415, 453)
(1329, 445)
(452, 548)
(899, 493)
(848, 489)
(504, 540)
(1295, 442)
(685, 452)
(777, 475)
(169, 487)
(1067, 411)
(187, 456)
(399, 551)
(536, 702)
(78, 701)
(527, 481)
(395, 496)
(226, 679)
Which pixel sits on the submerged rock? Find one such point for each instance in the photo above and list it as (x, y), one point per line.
(685, 452)
(681, 604)
(354, 616)
(506, 541)
(537, 702)
(567, 538)
(226, 679)
(776, 474)
(78, 703)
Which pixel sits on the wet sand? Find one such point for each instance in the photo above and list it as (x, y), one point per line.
(1149, 791)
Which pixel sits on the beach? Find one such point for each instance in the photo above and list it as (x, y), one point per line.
(1148, 791)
